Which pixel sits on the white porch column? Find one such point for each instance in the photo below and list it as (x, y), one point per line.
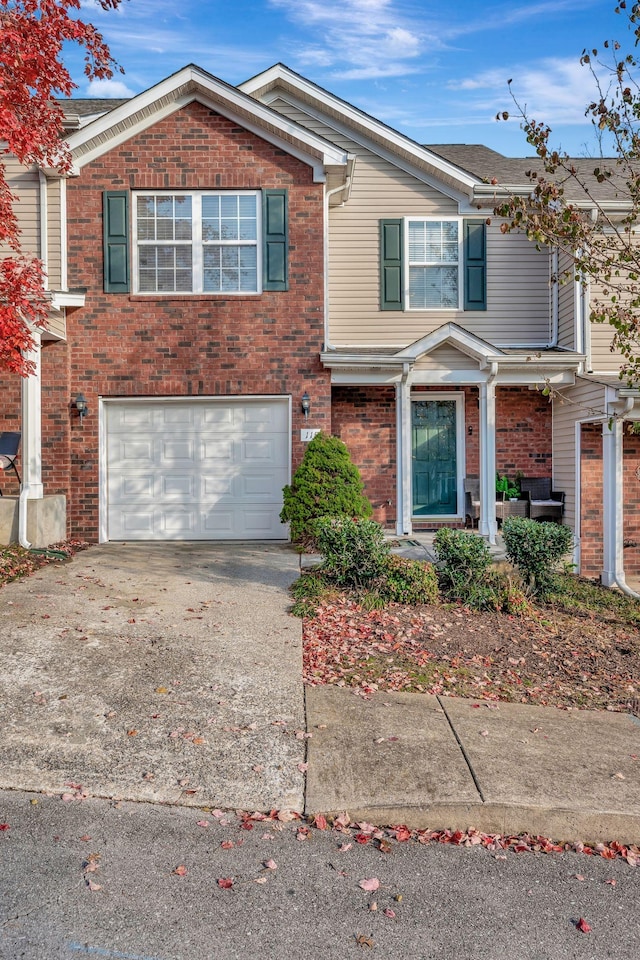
(31, 424)
(487, 525)
(612, 503)
(403, 456)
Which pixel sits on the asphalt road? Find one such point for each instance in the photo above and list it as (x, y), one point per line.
(445, 902)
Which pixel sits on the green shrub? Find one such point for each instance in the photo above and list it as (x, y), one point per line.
(409, 581)
(355, 551)
(536, 549)
(308, 591)
(463, 560)
(509, 597)
(326, 484)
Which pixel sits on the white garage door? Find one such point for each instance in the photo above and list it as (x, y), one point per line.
(196, 470)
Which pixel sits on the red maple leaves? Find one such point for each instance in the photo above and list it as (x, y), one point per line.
(32, 75)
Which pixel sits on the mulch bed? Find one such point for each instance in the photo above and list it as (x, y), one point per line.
(550, 658)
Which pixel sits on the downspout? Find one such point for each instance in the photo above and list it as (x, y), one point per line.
(488, 526)
(327, 196)
(555, 301)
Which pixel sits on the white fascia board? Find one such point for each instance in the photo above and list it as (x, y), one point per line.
(359, 378)
(223, 99)
(352, 114)
(67, 298)
(330, 359)
(457, 337)
(462, 199)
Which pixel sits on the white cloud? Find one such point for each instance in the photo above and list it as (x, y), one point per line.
(552, 91)
(108, 88)
(363, 39)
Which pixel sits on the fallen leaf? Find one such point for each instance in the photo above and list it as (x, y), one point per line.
(225, 883)
(370, 885)
(363, 941)
(85, 837)
(583, 926)
(202, 823)
(579, 876)
(93, 886)
(344, 847)
(260, 880)
(611, 881)
(132, 733)
(180, 871)
(270, 865)
(390, 913)
(320, 822)
(227, 845)
(162, 690)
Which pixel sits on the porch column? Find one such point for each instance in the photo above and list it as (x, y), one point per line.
(403, 456)
(487, 525)
(32, 424)
(612, 503)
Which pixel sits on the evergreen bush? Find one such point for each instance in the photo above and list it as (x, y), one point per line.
(463, 561)
(411, 582)
(326, 484)
(354, 550)
(536, 549)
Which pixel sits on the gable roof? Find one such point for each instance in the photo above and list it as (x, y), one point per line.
(126, 118)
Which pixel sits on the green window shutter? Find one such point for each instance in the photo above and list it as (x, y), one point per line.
(391, 280)
(475, 265)
(115, 215)
(275, 240)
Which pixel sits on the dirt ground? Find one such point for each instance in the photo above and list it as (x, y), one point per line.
(551, 658)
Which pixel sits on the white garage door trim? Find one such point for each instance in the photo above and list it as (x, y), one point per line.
(212, 510)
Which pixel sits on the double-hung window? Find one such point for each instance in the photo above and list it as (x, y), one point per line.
(202, 242)
(432, 264)
(434, 258)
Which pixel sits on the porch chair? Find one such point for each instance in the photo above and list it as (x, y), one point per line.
(544, 503)
(9, 445)
(472, 501)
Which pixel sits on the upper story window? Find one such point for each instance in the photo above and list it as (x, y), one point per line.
(434, 258)
(432, 264)
(197, 242)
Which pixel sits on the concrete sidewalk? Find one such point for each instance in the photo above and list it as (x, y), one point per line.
(445, 762)
(166, 672)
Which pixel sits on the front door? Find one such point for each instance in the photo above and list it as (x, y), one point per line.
(433, 445)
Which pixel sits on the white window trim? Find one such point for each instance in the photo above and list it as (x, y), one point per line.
(406, 264)
(196, 244)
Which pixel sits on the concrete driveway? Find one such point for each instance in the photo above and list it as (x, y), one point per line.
(167, 672)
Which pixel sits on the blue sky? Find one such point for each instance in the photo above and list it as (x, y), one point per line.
(436, 70)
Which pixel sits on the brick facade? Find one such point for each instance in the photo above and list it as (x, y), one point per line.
(591, 531)
(365, 418)
(122, 345)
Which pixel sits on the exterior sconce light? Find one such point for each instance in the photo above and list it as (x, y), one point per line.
(81, 406)
(305, 403)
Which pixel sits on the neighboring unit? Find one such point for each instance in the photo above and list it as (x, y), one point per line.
(218, 252)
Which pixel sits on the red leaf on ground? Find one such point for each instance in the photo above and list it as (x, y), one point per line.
(583, 926)
(4, 826)
(225, 883)
(361, 838)
(227, 844)
(320, 822)
(371, 884)
(180, 871)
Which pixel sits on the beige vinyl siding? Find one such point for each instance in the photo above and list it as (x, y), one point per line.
(445, 358)
(54, 237)
(582, 401)
(24, 183)
(56, 327)
(566, 304)
(518, 304)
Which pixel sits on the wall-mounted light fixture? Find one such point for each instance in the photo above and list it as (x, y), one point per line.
(305, 403)
(81, 406)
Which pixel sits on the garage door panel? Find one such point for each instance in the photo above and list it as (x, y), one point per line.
(217, 449)
(184, 470)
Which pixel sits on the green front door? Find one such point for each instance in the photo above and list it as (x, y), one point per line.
(433, 445)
